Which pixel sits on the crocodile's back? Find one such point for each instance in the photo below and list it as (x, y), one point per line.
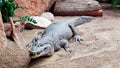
(58, 30)
(61, 30)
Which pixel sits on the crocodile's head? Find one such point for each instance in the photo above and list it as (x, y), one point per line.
(36, 49)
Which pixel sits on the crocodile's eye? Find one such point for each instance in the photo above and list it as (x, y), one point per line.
(46, 49)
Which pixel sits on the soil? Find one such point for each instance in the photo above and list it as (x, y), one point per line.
(100, 48)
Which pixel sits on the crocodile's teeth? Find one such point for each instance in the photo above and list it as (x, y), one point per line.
(38, 53)
(35, 54)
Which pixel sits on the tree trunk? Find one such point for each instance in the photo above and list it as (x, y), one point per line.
(13, 32)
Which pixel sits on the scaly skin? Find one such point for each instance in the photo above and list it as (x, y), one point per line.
(56, 36)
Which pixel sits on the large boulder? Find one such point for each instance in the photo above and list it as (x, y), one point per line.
(77, 7)
(41, 23)
(33, 7)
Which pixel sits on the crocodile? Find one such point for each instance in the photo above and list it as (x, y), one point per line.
(56, 36)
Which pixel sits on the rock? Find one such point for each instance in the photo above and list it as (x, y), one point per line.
(41, 23)
(3, 40)
(48, 15)
(32, 7)
(77, 7)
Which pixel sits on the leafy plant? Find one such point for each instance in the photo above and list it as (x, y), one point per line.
(27, 18)
(7, 8)
(115, 3)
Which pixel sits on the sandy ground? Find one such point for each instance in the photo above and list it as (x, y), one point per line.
(100, 48)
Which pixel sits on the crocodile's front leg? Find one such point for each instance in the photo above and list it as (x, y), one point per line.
(75, 33)
(64, 44)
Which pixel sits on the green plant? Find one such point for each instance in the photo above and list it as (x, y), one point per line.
(7, 8)
(27, 18)
(115, 3)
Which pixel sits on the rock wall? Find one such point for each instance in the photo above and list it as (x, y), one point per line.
(32, 7)
(3, 41)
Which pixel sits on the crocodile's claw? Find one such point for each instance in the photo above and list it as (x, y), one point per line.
(69, 51)
(77, 38)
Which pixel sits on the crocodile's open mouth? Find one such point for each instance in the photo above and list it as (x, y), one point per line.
(35, 54)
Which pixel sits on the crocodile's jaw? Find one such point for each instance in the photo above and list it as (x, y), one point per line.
(37, 55)
(40, 51)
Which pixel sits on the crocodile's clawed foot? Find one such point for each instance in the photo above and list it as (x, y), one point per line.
(69, 51)
(70, 54)
(78, 39)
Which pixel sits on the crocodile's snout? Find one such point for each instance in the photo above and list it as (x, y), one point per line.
(42, 50)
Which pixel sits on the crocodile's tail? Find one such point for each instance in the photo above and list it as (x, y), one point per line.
(82, 20)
